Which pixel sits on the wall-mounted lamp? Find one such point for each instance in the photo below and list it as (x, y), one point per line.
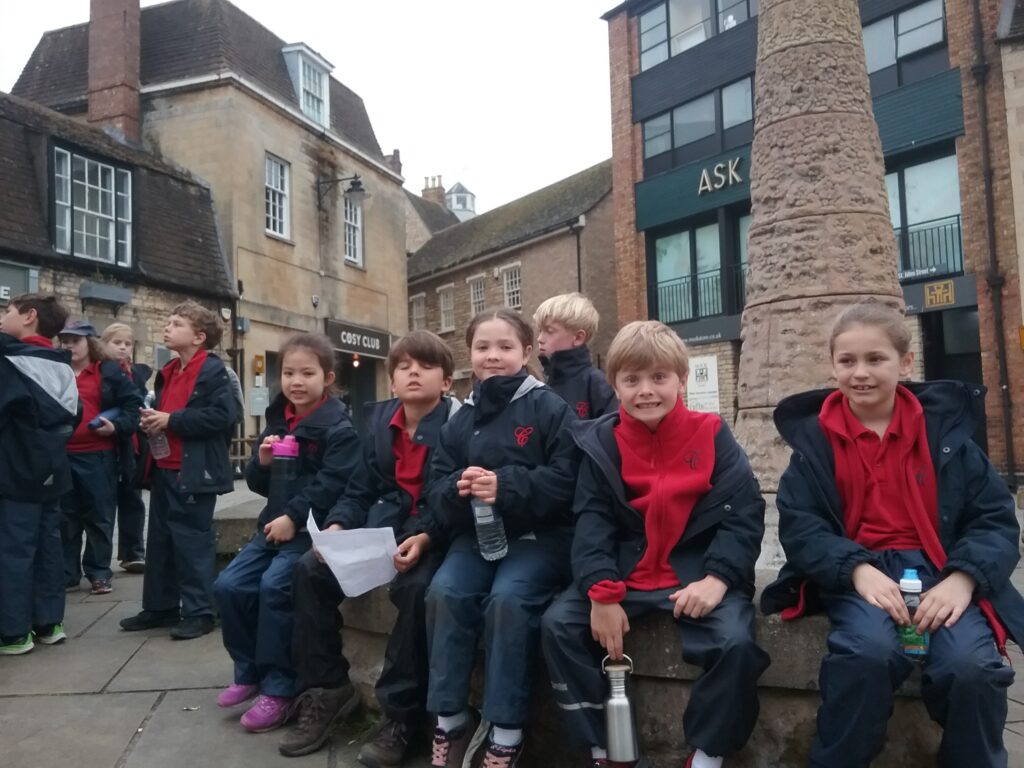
(356, 192)
(355, 361)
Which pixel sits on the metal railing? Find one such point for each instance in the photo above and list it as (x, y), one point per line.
(930, 249)
(702, 295)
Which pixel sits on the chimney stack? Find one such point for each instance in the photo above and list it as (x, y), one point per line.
(433, 190)
(114, 66)
(394, 161)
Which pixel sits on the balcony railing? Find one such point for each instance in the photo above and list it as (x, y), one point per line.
(930, 249)
(703, 295)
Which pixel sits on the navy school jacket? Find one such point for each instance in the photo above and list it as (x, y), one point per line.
(329, 457)
(205, 427)
(117, 390)
(977, 518)
(372, 498)
(573, 377)
(518, 428)
(39, 410)
(722, 537)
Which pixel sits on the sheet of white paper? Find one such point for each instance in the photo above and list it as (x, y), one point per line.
(360, 559)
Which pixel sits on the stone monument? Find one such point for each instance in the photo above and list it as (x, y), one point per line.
(820, 238)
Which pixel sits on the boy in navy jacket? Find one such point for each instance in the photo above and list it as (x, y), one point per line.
(565, 324)
(668, 517)
(195, 410)
(387, 491)
(39, 410)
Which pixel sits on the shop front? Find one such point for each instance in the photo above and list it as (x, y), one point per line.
(360, 356)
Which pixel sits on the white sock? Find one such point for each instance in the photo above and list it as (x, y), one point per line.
(598, 754)
(448, 723)
(702, 760)
(507, 737)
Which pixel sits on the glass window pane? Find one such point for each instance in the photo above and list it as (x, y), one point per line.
(652, 18)
(654, 56)
(672, 256)
(657, 135)
(933, 191)
(653, 36)
(880, 44)
(920, 38)
(737, 103)
(708, 258)
(694, 120)
(920, 15)
(731, 13)
(892, 184)
(744, 234)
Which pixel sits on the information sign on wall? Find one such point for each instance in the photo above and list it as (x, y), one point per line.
(702, 385)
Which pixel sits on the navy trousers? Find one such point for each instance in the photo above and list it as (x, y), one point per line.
(89, 508)
(254, 595)
(31, 567)
(723, 704)
(180, 548)
(503, 600)
(964, 684)
(131, 522)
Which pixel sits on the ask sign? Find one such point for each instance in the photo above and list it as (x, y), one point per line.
(720, 176)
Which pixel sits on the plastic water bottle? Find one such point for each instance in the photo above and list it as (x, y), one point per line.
(283, 470)
(915, 644)
(490, 531)
(159, 447)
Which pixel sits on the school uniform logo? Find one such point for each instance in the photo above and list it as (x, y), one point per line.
(583, 409)
(523, 436)
(692, 459)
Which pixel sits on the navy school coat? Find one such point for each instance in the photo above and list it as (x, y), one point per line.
(977, 516)
(573, 377)
(117, 390)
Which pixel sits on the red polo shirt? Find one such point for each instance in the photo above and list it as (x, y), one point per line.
(409, 459)
(178, 385)
(90, 387)
(292, 418)
(38, 341)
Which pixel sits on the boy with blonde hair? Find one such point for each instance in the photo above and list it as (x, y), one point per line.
(669, 517)
(565, 324)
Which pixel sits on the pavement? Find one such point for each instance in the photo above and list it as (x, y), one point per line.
(113, 699)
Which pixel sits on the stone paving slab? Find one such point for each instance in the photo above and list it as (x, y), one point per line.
(76, 666)
(164, 664)
(109, 625)
(89, 731)
(78, 617)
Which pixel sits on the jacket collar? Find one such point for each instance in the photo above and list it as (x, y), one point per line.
(324, 416)
(499, 391)
(565, 364)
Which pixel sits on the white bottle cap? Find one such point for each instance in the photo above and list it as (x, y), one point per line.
(910, 582)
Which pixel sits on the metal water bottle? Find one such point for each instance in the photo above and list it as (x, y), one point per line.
(619, 717)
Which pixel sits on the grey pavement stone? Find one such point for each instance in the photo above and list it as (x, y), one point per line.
(75, 666)
(78, 617)
(109, 624)
(70, 731)
(164, 664)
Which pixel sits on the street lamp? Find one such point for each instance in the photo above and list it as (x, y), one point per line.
(356, 192)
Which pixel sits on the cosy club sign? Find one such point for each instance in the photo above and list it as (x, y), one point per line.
(358, 340)
(722, 175)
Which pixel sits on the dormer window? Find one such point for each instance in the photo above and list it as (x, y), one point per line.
(92, 209)
(310, 73)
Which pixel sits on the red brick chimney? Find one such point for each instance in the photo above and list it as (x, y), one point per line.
(114, 66)
(433, 190)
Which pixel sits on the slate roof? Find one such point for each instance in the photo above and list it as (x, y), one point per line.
(184, 39)
(540, 212)
(1011, 20)
(458, 189)
(435, 216)
(174, 230)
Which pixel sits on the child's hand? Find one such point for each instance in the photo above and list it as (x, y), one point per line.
(331, 527)
(881, 591)
(700, 598)
(410, 551)
(279, 530)
(944, 604)
(105, 429)
(608, 625)
(266, 450)
(152, 421)
(465, 482)
(485, 487)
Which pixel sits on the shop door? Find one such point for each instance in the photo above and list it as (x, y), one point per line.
(357, 384)
(952, 350)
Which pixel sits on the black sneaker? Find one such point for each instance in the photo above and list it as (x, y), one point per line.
(151, 620)
(191, 627)
(500, 756)
(317, 711)
(387, 746)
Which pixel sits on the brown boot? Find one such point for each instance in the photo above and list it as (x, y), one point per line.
(387, 746)
(318, 711)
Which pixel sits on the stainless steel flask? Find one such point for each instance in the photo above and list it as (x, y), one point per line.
(620, 721)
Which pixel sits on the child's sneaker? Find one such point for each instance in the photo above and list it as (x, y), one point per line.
(268, 713)
(236, 694)
(50, 634)
(137, 565)
(101, 587)
(449, 747)
(16, 646)
(500, 756)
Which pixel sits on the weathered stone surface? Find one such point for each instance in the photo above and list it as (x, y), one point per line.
(768, 453)
(772, 557)
(786, 24)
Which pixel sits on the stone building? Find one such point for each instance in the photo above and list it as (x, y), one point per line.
(1011, 48)
(682, 123)
(555, 240)
(287, 150)
(423, 219)
(115, 232)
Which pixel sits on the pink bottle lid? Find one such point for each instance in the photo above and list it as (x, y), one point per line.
(287, 448)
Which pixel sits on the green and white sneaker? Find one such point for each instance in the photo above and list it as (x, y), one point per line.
(16, 646)
(50, 634)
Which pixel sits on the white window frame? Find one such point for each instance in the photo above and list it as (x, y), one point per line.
(108, 221)
(313, 96)
(477, 293)
(418, 312)
(512, 286)
(276, 180)
(353, 231)
(446, 306)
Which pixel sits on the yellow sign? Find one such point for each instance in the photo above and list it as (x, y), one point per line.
(939, 294)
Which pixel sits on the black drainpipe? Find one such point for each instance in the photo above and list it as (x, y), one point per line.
(993, 277)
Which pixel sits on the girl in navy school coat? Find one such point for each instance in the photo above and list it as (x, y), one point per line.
(508, 446)
(885, 477)
(254, 593)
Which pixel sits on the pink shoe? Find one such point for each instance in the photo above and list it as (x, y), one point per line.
(236, 694)
(266, 714)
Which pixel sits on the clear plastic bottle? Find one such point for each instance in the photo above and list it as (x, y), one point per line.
(490, 531)
(159, 448)
(915, 644)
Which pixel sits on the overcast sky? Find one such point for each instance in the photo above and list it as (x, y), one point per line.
(505, 97)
